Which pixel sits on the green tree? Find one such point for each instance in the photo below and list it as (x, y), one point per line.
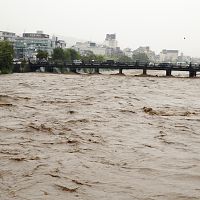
(91, 56)
(141, 57)
(6, 57)
(88, 58)
(67, 56)
(70, 55)
(58, 54)
(100, 58)
(74, 54)
(42, 54)
(124, 59)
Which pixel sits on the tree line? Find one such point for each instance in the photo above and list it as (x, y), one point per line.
(68, 55)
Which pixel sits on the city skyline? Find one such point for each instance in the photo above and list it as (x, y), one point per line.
(160, 25)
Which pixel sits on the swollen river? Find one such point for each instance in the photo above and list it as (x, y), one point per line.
(99, 137)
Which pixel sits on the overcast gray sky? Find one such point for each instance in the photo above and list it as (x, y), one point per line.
(156, 23)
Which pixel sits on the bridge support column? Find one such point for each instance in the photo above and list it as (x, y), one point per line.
(120, 70)
(168, 72)
(96, 70)
(73, 70)
(192, 73)
(144, 71)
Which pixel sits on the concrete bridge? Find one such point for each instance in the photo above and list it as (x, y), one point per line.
(49, 67)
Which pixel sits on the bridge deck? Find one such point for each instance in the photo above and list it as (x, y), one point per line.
(96, 66)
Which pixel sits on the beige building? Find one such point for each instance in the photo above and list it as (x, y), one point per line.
(169, 55)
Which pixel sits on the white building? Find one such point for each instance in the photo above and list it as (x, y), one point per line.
(169, 55)
(28, 45)
(4, 35)
(111, 41)
(84, 47)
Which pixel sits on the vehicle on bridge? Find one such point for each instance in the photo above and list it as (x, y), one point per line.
(151, 64)
(121, 63)
(182, 64)
(141, 63)
(108, 63)
(77, 62)
(165, 64)
(16, 61)
(95, 62)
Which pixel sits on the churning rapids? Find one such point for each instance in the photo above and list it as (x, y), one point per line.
(103, 137)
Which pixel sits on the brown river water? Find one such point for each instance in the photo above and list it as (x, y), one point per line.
(99, 137)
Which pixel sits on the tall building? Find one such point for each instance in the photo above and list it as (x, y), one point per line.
(111, 41)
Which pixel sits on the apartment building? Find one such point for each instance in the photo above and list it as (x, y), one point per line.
(27, 45)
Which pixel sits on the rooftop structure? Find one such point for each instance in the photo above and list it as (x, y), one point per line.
(110, 36)
(38, 34)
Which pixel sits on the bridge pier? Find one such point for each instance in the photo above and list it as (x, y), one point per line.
(49, 69)
(96, 70)
(192, 73)
(120, 70)
(144, 71)
(168, 72)
(73, 70)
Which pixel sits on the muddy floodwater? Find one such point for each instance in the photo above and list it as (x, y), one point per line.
(99, 137)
